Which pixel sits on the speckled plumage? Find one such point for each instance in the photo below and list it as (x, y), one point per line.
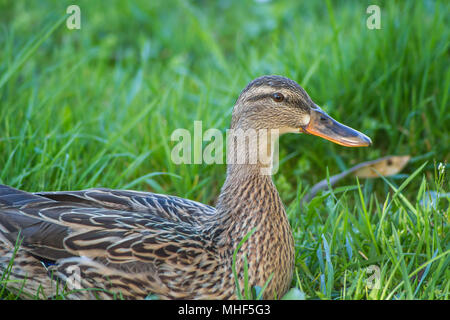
(140, 243)
(131, 244)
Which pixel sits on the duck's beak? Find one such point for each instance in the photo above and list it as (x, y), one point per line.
(324, 126)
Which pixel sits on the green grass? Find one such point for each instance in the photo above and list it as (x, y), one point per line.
(96, 107)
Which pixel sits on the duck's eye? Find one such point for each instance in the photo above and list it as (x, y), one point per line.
(277, 97)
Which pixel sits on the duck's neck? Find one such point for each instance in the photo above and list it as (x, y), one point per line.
(249, 194)
(245, 192)
(248, 201)
(248, 197)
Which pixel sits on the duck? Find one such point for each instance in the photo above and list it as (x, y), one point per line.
(103, 244)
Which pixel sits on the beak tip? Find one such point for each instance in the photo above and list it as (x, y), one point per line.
(369, 141)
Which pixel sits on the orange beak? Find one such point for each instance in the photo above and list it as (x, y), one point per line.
(324, 126)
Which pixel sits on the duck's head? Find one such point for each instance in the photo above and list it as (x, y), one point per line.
(275, 102)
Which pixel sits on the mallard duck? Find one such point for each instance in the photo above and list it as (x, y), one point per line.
(129, 244)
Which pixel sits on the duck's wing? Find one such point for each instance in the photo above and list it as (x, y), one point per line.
(171, 208)
(108, 249)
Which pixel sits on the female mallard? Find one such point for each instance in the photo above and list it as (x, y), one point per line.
(132, 244)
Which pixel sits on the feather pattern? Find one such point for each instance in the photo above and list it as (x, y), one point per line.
(119, 252)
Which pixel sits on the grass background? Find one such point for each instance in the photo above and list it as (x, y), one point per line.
(96, 107)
